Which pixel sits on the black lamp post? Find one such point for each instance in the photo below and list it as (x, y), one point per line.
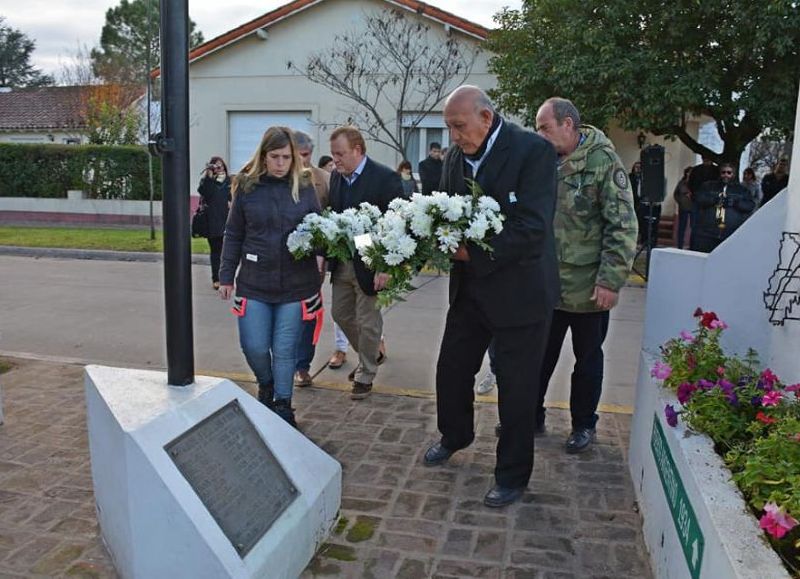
(173, 145)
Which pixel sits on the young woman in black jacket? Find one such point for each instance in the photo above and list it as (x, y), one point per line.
(271, 196)
(215, 193)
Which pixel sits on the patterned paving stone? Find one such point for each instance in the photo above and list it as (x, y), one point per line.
(578, 518)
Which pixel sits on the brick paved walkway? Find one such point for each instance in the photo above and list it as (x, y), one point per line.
(399, 519)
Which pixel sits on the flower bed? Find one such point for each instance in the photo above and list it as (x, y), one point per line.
(752, 418)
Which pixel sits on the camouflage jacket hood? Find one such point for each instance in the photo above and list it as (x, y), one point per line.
(595, 222)
(595, 140)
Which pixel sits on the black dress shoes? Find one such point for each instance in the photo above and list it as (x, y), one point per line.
(580, 440)
(436, 455)
(501, 496)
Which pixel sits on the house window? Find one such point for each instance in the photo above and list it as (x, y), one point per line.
(430, 130)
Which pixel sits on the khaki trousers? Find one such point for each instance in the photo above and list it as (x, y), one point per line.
(360, 319)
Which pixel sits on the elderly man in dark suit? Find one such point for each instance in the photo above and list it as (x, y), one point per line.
(507, 294)
(358, 179)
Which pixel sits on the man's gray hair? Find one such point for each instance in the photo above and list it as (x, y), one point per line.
(474, 93)
(563, 109)
(484, 102)
(303, 140)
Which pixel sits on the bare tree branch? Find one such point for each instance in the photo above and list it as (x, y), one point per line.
(396, 71)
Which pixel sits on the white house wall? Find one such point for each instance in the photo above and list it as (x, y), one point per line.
(40, 137)
(252, 75)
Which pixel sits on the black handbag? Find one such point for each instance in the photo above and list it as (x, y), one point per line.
(200, 221)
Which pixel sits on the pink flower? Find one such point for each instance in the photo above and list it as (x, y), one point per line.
(720, 371)
(769, 378)
(661, 371)
(687, 336)
(717, 325)
(776, 521)
(772, 398)
(794, 388)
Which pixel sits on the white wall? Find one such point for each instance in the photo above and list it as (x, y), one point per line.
(40, 137)
(251, 75)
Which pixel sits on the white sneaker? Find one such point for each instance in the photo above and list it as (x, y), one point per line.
(486, 384)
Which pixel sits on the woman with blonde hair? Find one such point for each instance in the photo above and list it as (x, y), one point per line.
(271, 196)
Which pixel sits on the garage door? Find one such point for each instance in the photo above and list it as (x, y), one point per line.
(245, 129)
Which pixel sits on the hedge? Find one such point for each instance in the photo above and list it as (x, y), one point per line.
(104, 172)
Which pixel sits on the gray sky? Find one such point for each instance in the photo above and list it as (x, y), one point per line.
(59, 26)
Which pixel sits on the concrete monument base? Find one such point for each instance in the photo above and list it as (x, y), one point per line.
(178, 477)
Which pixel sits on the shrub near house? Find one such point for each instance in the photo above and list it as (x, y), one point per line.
(752, 418)
(104, 172)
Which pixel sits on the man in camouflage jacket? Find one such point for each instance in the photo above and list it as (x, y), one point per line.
(595, 228)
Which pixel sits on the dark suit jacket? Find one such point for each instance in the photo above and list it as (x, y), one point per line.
(517, 283)
(378, 185)
(430, 174)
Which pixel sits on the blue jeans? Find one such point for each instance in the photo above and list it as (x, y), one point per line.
(268, 335)
(305, 345)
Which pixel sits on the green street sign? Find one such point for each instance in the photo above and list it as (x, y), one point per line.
(689, 533)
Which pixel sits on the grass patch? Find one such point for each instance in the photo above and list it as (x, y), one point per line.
(338, 552)
(5, 366)
(362, 530)
(79, 238)
(341, 525)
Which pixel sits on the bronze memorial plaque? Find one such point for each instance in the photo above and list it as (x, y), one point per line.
(235, 474)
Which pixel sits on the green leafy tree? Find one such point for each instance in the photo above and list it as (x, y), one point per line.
(112, 118)
(654, 65)
(126, 38)
(15, 55)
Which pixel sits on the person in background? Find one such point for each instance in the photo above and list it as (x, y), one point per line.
(723, 206)
(215, 193)
(326, 163)
(750, 183)
(320, 179)
(430, 169)
(409, 184)
(683, 199)
(271, 196)
(700, 175)
(635, 178)
(775, 182)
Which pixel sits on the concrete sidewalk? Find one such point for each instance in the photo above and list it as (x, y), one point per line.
(112, 312)
(399, 519)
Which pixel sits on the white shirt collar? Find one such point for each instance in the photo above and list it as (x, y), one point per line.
(357, 173)
(489, 144)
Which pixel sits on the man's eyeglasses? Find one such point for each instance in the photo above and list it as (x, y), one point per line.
(726, 172)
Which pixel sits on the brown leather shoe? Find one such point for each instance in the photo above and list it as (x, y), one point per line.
(337, 360)
(302, 379)
(360, 391)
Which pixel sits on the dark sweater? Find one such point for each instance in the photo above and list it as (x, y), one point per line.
(255, 237)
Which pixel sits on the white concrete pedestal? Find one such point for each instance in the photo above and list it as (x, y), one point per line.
(153, 521)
